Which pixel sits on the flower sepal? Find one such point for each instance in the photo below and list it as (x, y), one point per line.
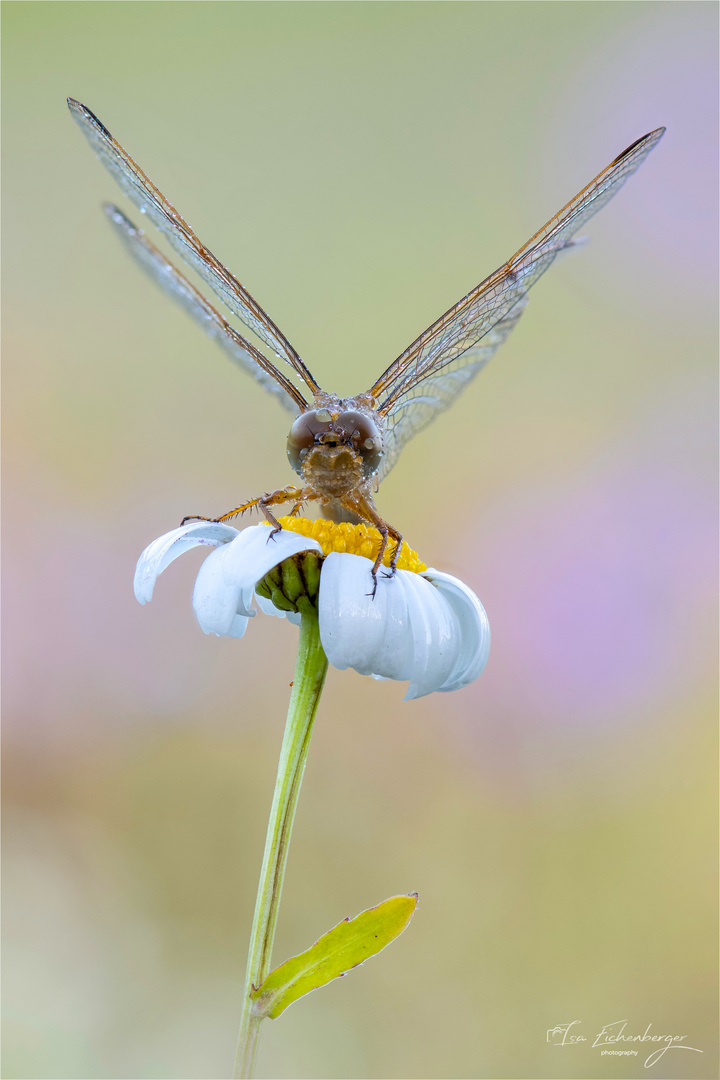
(294, 584)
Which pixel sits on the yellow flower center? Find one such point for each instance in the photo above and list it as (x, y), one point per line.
(354, 539)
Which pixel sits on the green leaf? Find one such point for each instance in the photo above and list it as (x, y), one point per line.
(348, 944)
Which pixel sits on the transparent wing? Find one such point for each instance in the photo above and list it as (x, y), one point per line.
(143, 193)
(439, 364)
(418, 406)
(179, 288)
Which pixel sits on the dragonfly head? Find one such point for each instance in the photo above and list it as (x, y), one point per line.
(335, 433)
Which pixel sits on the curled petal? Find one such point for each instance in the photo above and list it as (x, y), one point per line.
(268, 608)
(411, 629)
(220, 608)
(474, 629)
(356, 630)
(225, 585)
(157, 556)
(435, 635)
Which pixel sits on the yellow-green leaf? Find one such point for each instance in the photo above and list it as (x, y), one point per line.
(348, 944)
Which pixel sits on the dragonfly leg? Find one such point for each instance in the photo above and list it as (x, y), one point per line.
(289, 494)
(397, 537)
(365, 507)
(387, 532)
(272, 498)
(225, 517)
(297, 507)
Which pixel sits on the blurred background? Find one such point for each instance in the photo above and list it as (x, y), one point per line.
(360, 166)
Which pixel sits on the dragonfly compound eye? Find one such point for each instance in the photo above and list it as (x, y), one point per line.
(362, 433)
(317, 428)
(303, 435)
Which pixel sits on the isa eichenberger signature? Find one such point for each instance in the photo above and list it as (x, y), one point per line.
(615, 1041)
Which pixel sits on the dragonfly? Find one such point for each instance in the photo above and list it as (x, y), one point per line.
(342, 448)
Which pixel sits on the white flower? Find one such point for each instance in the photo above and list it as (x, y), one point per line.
(427, 627)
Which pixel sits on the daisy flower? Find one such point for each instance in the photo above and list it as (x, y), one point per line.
(421, 625)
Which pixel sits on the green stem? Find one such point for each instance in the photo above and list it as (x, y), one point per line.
(310, 670)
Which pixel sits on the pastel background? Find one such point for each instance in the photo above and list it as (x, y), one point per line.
(360, 166)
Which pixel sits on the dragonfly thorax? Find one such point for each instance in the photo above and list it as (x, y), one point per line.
(335, 448)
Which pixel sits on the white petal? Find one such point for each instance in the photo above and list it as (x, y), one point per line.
(218, 607)
(268, 608)
(238, 626)
(406, 631)
(225, 585)
(474, 628)
(430, 628)
(359, 631)
(436, 637)
(157, 556)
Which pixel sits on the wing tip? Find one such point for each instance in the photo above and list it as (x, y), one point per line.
(646, 141)
(116, 217)
(81, 112)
